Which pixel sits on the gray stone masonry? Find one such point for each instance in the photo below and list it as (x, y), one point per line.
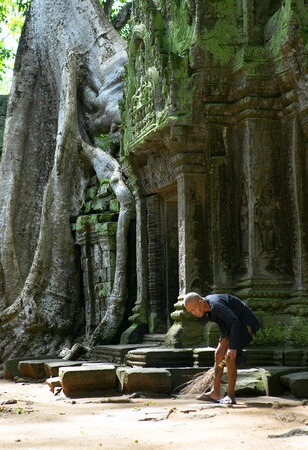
(297, 382)
(145, 380)
(96, 377)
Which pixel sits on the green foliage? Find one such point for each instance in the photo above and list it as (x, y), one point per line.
(105, 141)
(12, 15)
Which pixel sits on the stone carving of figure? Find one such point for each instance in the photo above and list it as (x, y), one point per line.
(266, 219)
(244, 221)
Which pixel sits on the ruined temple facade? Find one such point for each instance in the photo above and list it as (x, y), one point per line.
(215, 120)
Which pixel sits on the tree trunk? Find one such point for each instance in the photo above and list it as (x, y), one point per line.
(68, 79)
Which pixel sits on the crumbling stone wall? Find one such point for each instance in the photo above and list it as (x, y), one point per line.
(215, 111)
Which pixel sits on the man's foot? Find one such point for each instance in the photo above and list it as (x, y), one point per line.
(227, 401)
(207, 398)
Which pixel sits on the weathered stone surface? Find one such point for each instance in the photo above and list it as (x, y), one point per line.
(296, 357)
(144, 379)
(51, 368)
(215, 119)
(257, 357)
(297, 382)
(10, 367)
(271, 377)
(114, 353)
(182, 375)
(160, 357)
(97, 377)
(249, 382)
(53, 383)
(204, 357)
(34, 368)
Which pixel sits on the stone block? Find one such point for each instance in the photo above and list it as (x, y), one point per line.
(10, 367)
(204, 357)
(295, 357)
(144, 379)
(271, 377)
(297, 382)
(249, 382)
(113, 353)
(53, 383)
(52, 367)
(160, 357)
(263, 357)
(33, 368)
(97, 377)
(182, 375)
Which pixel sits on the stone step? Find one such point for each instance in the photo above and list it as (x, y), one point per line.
(160, 357)
(296, 357)
(96, 378)
(114, 353)
(154, 339)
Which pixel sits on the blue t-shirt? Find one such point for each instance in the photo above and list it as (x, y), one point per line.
(234, 319)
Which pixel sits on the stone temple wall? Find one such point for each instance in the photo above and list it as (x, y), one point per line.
(215, 119)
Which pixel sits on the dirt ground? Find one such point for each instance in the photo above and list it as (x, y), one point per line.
(32, 417)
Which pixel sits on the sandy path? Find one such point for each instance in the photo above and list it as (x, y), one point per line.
(40, 420)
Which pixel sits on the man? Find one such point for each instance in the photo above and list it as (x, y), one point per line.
(238, 326)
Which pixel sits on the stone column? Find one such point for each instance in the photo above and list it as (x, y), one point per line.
(193, 253)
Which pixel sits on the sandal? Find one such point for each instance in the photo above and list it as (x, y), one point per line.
(207, 398)
(227, 401)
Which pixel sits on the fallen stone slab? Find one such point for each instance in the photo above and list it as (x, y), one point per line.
(87, 378)
(54, 383)
(34, 368)
(297, 382)
(51, 368)
(10, 367)
(271, 377)
(300, 431)
(153, 379)
(249, 382)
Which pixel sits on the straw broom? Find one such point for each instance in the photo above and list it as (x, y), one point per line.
(201, 382)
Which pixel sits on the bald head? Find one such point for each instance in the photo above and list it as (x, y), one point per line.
(191, 298)
(195, 304)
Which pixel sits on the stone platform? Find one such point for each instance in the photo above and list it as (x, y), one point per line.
(160, 370)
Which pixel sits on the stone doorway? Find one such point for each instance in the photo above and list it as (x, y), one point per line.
(163, 250)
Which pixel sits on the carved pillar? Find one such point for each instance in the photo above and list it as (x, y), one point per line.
(193, 240)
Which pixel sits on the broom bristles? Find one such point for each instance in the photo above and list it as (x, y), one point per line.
(199, 383)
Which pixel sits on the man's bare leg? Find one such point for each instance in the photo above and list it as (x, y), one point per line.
(232, 375)
(220, 354)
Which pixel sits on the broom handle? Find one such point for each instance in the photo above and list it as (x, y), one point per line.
(221, 365)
